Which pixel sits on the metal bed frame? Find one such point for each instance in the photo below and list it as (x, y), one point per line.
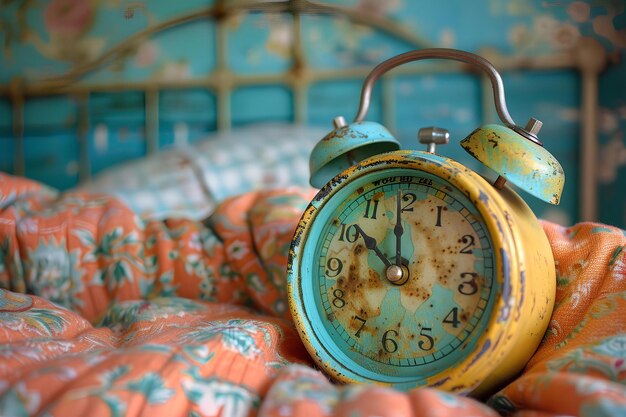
(589, 59)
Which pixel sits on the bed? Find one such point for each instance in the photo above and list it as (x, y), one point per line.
(157, 287)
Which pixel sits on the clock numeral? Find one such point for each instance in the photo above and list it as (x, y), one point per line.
(358, 332)
(373, 207)
(439, 208)
(410, 198)
(428, 342)
(389, 344)
(468, 287)
(454, 320)
(469, 241)
(348, 233)
(338, 301)
(334, 266)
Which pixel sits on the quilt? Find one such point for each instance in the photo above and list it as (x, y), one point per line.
(105, 313)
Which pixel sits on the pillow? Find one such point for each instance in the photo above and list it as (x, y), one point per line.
(189, 181)
(257, 157)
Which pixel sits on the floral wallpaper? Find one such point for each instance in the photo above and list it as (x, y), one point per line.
(42, 39)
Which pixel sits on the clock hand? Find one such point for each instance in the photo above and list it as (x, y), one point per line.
(370, 243)
(398, 230)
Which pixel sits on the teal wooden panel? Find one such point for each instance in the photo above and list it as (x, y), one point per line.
(123, 107)
(5, 115)
(331, 42)
(7, 152)
(123, 142)
(52, 158)
(460, 28)
(51, 148)
(7, 143)
(261, 104)
(162, 57)
(612, 146)
(180, 58)
(329, 99)
(186, 116)
(187, 106)
(167, 9)
(259, 43)
(49, 114)
(26, 59)
(117, 131)
(450, 101)
(113, 24)
(47, 52)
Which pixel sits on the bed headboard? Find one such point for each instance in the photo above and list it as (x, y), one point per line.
(322, 52)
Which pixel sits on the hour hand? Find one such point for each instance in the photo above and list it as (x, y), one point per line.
(370, 243)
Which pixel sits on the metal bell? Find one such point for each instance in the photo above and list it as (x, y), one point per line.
(513, 152)
(517, 156)
(347, 145)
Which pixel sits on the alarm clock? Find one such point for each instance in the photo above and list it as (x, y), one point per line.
(409, 269)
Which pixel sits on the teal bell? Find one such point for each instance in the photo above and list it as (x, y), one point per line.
(517, 156)
(347, 145)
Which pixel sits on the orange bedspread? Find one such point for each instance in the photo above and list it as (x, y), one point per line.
(181, 318)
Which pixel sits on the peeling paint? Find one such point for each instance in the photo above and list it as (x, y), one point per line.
(529, 166)
(505, 310)
(480, 353)
(522, 277)
(439, 382)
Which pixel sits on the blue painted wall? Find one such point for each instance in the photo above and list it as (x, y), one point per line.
(52, 42)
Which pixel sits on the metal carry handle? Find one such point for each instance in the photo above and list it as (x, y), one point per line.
(438, 53)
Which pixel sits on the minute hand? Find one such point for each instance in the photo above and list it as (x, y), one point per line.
(398, 230)
(370, 243)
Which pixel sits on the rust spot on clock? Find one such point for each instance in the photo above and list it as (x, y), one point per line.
(352, 277)
(360, 282)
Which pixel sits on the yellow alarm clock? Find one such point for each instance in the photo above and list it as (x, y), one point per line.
(409, 269)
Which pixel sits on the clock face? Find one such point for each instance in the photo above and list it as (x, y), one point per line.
(402, 280)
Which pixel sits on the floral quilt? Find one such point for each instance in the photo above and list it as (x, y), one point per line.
(103, 313)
